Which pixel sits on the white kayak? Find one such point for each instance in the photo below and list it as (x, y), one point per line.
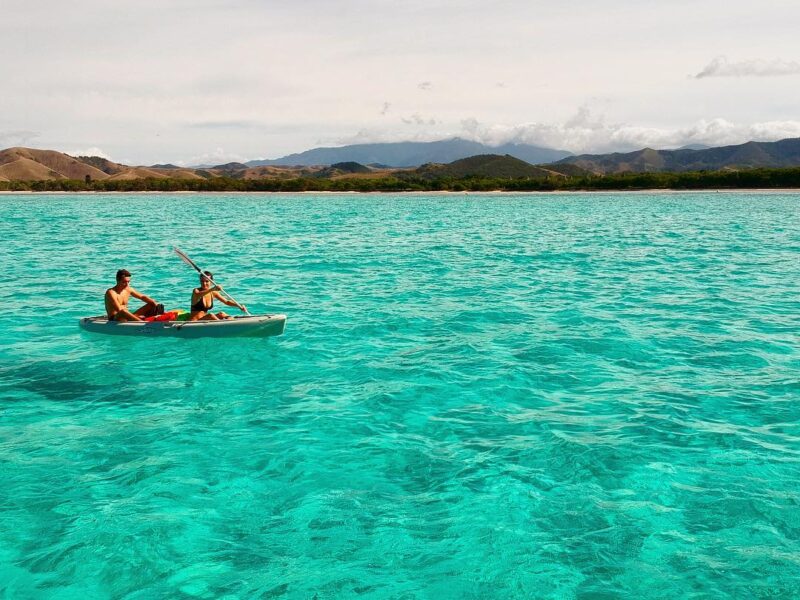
(252, 326)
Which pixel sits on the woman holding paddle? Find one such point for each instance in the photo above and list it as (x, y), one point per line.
(203, 300)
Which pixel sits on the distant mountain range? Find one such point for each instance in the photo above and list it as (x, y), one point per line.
(412, 154)
(784, 153)
(27, 164)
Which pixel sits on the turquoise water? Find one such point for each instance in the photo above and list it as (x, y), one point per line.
(561, 396)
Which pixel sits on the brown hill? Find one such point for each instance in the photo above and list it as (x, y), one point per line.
(176, 173)
(136, 173)
(105, 165)
(57, 165)
(28, 164)
(268, 172)
(25, 169)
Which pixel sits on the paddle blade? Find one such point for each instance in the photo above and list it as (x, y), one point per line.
(187, 260)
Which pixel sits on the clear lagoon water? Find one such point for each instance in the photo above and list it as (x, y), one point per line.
(477, 396)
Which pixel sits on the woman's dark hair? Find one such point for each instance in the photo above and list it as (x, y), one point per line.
(207, 275)
(123, 273)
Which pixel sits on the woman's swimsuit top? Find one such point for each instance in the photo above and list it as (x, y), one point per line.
(200, 307)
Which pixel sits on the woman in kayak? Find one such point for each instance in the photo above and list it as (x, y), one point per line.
(203, 300)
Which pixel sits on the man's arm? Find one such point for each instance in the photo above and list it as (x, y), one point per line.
(142, 297)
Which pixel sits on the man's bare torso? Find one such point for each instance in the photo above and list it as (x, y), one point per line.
(121, 297)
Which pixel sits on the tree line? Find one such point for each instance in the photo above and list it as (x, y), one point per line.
(408, 182)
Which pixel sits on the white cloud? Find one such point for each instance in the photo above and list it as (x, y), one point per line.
(774, 130)
(587, 133)
(580, 133)
(379, 136)
(722, 67)
(584, 132)
(17, 137)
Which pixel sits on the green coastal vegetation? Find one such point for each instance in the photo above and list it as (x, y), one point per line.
(430, 182)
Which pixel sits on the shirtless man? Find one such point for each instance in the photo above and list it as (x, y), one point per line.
(117, 301)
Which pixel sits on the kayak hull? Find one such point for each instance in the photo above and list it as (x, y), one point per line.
(254, 326)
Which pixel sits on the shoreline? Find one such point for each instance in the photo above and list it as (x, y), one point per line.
(412, 193)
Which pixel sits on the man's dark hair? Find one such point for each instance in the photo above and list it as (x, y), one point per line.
(123, 273)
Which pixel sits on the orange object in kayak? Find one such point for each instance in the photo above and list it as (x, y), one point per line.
(167, 316)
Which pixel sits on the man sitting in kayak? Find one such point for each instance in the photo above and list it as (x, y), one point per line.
(203, 300)
(117, 301)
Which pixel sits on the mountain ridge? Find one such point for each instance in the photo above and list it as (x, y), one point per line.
(28, 164)
(782, 153)
(412, 154)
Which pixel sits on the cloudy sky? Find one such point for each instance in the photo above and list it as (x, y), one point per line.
(189, 81)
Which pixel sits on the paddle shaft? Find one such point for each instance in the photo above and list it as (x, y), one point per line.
(192, 264)
(231, 298)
